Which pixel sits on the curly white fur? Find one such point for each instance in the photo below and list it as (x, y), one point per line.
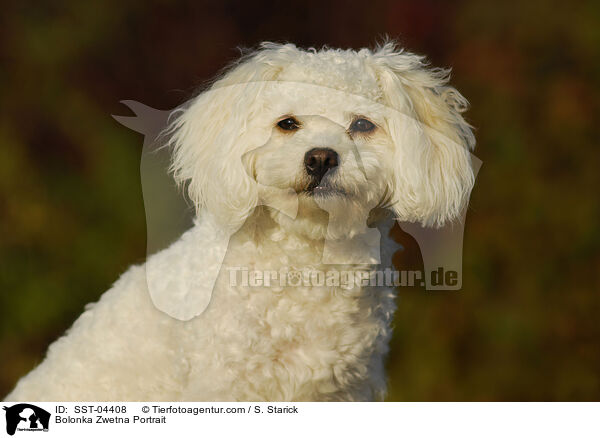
(268, 342)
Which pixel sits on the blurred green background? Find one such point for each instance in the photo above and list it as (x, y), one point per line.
(525, 325)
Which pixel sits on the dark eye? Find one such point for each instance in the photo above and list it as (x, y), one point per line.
(362, 125)
(289, 124)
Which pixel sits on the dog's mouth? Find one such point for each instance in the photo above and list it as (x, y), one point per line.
(323, 189)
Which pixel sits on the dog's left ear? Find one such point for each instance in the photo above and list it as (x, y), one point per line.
(433, 175)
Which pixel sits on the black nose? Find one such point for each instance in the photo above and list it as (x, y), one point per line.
(318, 161)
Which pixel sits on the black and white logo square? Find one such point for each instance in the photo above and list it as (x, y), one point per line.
(26, 417)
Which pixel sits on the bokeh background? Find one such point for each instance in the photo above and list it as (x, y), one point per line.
(525, 325)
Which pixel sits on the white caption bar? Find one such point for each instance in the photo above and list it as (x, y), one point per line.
(301, 419)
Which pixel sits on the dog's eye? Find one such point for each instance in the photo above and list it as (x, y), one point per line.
(362, 125)
(289, 124)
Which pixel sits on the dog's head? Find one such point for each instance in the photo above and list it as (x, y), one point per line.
(346, 132)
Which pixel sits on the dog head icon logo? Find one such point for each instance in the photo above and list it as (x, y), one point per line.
(26, 417)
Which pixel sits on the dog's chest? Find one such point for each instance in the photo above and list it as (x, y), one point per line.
(280, 314)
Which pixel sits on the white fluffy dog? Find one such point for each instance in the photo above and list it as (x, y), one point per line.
(291, 158)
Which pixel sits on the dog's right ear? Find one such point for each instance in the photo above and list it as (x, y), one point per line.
(209, 137)
(210, 134)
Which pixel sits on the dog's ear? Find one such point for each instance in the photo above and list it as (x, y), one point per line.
(210, 134)
(433, 175)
